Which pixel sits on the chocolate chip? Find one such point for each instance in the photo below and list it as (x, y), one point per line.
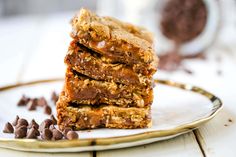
(72, 135)
(45, 124)
(47, 110)
(66, 130)
(54, 97)
(56, 135)
(33, 124)
(23, 101)
(53, 120)
(32, 104)
(42, 102)
(22, 122)
(14, 123)
(33, 133)
(46, 134)
(8, 128)
(21, 132)
(52, 127)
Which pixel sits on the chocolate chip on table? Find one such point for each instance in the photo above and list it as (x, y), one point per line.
(23, 101)
(47, 110)
(32, 133)
(56, 135)
(71, 135)
(32, 104)
(53, 119)
(8, 128)
(52, 127)
(46, 134)
(21, 132)
(54, 97)
(42, 102)
(45, 124)
(22, 122)
(66, 130)
(14, 123)
(33, 124)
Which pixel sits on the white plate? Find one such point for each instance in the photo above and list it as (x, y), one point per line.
(177, 108)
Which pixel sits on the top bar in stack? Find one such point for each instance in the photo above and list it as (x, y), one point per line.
(118, 42)
(108, 81)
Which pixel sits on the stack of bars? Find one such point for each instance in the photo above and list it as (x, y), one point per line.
(108, 80)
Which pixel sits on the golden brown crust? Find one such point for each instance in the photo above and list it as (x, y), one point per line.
(111, 38)
(82, 90)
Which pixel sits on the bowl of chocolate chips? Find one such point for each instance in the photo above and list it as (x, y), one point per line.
(189, 26)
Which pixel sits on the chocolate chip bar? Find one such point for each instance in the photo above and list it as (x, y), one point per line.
(108, 81)
(83, 90)
(87, 117)
(118, 41)
(89, 63)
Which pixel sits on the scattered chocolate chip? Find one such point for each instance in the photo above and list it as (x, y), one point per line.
(172, 61)
(23, 101)
(8, 128)
(66, 130)
(52, 127)
(47, 110)
(21, 132)
(14, 123)
(42, 102)
(187, 71)
(22, 122)
(45, 124)
(46, 134)
(33, 133)
(32, 104)
(230, 120)
(56, 135)
(54, 97)
(33, 124)
(53, 120)
(72, 135)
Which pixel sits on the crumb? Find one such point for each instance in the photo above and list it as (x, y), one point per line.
(230, 120)
(226, 125)
(219, 72)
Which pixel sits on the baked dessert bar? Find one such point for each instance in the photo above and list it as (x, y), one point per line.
(108, 82)
(112, 39)
(87, 117)
(89, 63)
(83, 90)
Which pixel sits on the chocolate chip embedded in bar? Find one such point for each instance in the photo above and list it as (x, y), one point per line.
(112, 38)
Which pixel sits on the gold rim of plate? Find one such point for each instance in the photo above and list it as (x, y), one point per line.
(39, 144)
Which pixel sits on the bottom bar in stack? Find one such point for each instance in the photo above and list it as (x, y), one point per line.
(79, 116)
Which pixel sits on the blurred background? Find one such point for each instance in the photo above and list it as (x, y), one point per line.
(192, 37)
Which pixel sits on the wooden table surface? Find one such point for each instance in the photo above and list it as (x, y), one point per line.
(33, 48)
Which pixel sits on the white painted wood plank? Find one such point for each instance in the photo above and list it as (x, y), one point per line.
(182, 146)
(17, 36)
(48, 59)
(13, 153)
(217, 136)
